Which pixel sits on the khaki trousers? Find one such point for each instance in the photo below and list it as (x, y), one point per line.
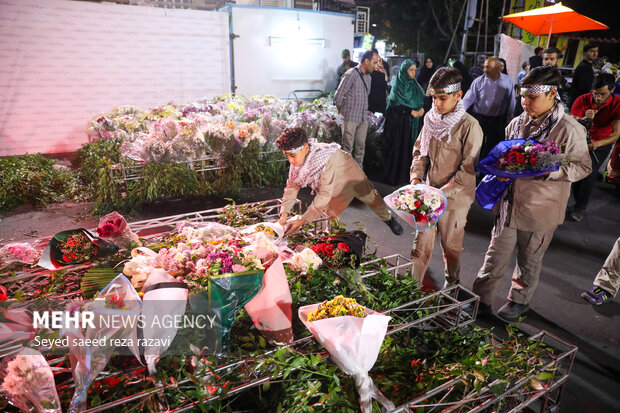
(608, 277)
(451, 228)
(365, 192)
(354, 139)
(531, 247)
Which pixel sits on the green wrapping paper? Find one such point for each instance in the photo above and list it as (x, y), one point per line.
(224, 295)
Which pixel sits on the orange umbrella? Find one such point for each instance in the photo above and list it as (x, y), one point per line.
(553, 19)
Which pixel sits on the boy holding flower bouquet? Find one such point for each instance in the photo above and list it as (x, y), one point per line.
(448, 147)
(532, 207)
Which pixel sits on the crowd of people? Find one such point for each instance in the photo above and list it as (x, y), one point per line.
(439, 122)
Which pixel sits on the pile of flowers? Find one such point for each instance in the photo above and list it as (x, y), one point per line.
(338, 307)
(425, 206)
(77, 248)
(531, 156)
(177, 133)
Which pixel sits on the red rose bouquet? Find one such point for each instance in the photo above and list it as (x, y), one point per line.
(341, 250)
(77, 248)
(114, 226)
(74, 247)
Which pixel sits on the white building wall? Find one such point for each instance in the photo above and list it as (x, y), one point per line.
(63, 61)
(515, 52)
(281, 50)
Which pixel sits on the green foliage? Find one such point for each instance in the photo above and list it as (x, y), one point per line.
(33, 179)
(95, 156)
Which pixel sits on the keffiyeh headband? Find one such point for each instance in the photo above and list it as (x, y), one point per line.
(537, 89)
(294, 150)
(454, 87)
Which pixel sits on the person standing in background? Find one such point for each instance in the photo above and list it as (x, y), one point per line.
(379, 87)
(492, 98)
(526, 68)
(584, 74)
(404, 109)
(601, 110)
(351, 100)
(478, 69)
(536, 60)
(347, 64)
(502, 65)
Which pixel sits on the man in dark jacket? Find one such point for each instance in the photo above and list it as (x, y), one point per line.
(537, 59)
(584, 73)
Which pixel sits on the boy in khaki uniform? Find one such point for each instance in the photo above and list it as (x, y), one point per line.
(532, 207)
(332, 174)
(448, 146)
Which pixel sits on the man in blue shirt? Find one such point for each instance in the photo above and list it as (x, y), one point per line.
(492, 99)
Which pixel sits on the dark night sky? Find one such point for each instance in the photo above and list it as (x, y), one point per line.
(605, 11)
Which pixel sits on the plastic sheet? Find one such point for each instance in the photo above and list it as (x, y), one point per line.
(409, 218)
(140, 266)
(15, 324)
(490, 190)
(163, 296)
(353, 344)
(270, 309)
(29, 382)
(224, 295)
(52, 256)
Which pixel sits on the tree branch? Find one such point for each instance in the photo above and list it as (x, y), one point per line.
(447, 35)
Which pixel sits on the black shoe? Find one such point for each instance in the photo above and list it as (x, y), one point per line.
(576, 215)
(483, 309)
(511, 311)
(394, 226)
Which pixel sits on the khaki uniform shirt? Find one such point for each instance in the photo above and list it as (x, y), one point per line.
(452, 164)
(339, 183)
(539, 204)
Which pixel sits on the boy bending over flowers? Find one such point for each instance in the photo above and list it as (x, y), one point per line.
(332, 174)
(448, 146)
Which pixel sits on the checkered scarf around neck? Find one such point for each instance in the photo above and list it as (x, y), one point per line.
(437, 125)
(540, 134)
(309, 172)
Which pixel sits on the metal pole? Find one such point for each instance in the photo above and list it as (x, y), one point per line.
(549, 37)
(464, 43)
(499, 30)
(486, 27)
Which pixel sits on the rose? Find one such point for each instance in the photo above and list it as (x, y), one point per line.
(344, 247)
(520, 158)
(3, 293)
(328, 250)
(417, 203)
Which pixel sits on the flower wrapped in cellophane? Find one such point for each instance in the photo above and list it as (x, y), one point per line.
(353, 341)
(73, 247)
(516, 158)
(116, 311)
(24, 252)
(270, 309)
(163, 296)
(29, 383)
(114, 227)
(421, 205)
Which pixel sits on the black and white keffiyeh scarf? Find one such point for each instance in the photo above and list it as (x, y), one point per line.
(540, 133)
(437, 125)
(310, 171)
